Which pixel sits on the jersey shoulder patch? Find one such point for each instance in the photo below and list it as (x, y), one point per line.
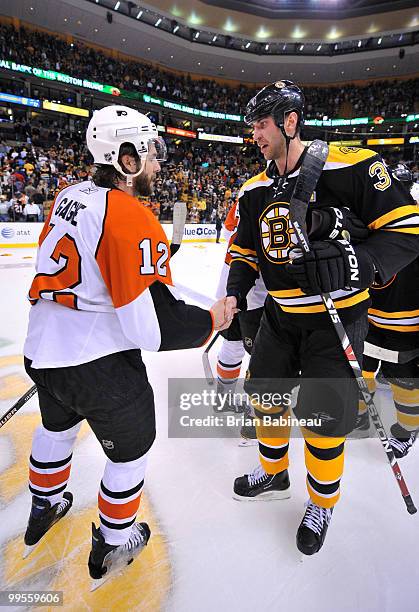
(347, 156)
(260, 180)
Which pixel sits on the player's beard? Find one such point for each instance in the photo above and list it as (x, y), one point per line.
(278, 150)
(143, 184)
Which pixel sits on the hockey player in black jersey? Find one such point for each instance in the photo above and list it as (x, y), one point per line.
(296, 335)
(393, 339)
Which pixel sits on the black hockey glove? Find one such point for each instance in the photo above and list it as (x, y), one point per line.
(331, 265)
(329, 223)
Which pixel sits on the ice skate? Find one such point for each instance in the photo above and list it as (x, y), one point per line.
(248, 435)
(105, 560)
(42, 517)
(262, 486)
(401, 440)
(227, 400)
(312, 530)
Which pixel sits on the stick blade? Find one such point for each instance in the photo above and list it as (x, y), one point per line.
(180, 212)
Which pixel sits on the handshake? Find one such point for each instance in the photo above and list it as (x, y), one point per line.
(223, 312)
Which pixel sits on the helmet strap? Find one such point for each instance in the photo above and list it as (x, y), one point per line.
(287, 141)
(287, 146)
(129, 177)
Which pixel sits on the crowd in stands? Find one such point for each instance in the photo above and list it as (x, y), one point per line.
(53, 53)
(207, 178)
(31, 175)
(47, 156)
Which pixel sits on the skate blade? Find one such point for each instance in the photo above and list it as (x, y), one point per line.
(265, 497)
(111, 573)
(247, 442)
(29, 550)
(96, 584)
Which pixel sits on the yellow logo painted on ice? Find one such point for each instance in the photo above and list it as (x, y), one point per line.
(60, 561)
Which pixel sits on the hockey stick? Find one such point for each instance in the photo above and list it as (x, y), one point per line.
(206, 363)
(179, 219)
(20, 402)
(310, 171)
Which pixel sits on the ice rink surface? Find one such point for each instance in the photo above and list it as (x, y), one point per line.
(207, 551)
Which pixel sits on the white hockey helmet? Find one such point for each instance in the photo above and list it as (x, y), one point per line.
(112, 126)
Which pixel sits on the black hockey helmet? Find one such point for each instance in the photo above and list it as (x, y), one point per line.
(402, 173)
(276, 99)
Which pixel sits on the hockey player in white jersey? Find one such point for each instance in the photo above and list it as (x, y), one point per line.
(238, 338)
(103, 291)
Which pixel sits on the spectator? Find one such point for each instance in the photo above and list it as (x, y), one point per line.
(16, 208)
(32, 212)
(4, 209)
(218, 227)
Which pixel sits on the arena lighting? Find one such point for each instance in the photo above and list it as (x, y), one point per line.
(63, 108)
(139, 14)
(117, 5)
(5, 97)
(158, 22)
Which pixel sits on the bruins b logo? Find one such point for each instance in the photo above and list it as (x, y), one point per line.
(276, 234)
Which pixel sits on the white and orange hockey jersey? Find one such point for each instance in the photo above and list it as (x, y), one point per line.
(103, 283)
(257, 295)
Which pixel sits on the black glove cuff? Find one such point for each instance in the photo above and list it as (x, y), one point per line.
(241, 301)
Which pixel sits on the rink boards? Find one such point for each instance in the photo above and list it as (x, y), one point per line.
(26, 235)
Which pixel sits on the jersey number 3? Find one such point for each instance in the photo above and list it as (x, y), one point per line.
(379, 170)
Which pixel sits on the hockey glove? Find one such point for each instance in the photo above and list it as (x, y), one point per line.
(331, 265)
(329, 223)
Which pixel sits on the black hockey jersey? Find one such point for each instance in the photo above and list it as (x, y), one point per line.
(394, 312)
(356, 178)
